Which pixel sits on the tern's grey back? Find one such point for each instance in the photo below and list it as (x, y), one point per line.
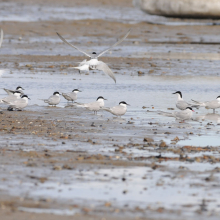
(19, 104)
(71, 96)
(53, 100)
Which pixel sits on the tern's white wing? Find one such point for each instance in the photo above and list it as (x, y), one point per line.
(104, 67)
(10, 92)
(71, 96)
(73, 45)
(83, 62)
(183, 115)
(182, 105)
(202, 104)
(1, 38)
(118, 42)
(116, 110)
(18, 104)
(53, 100)
(9, 98)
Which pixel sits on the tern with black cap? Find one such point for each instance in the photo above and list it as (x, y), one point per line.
(180, 115)
(181, 104)
(118, 110)
(18, 104)
(94, 63)
(94, 106)
(53, 100)
(71, 96)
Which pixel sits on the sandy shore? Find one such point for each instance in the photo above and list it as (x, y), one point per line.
(67, 163)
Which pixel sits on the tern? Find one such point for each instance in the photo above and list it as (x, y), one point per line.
(11, 92)
(181, 104)
(94, 63)
(18, 104)
(93, 106)
(53, 100)
(71, 96)
(180, 115)
(10, 98)
(1, 37)
(209, 104)
(118, 110)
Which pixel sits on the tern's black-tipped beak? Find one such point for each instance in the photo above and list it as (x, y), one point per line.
(105, 99)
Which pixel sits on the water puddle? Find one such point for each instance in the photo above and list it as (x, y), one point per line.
(49, 211)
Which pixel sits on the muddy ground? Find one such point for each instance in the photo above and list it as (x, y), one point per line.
(67, 163)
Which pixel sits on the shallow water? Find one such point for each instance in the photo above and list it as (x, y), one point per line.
(152, 92)
(106, 185)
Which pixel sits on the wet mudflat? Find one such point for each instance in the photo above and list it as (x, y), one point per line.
(66, 161)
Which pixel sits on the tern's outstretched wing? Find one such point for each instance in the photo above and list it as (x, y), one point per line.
(83, 62)
(118, 42)
(73, 46)
(104, 67)
(1, 38)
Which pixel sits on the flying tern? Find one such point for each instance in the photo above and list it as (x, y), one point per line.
(209, 104)
(53, 100)
(94, 63)
(181, 104)
(93, 106)
(71, 96)
(18, 104)
(180, 115)
(118, 110)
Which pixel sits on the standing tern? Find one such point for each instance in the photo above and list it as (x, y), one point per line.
(209, 104)
(19, 103)
(11, 92)
(71, 96)
(180, 115)
(94, 106)
(118, 110)
(181, 104)
(94, 63)
(53, 100)
(10, 98)
(1, 37)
